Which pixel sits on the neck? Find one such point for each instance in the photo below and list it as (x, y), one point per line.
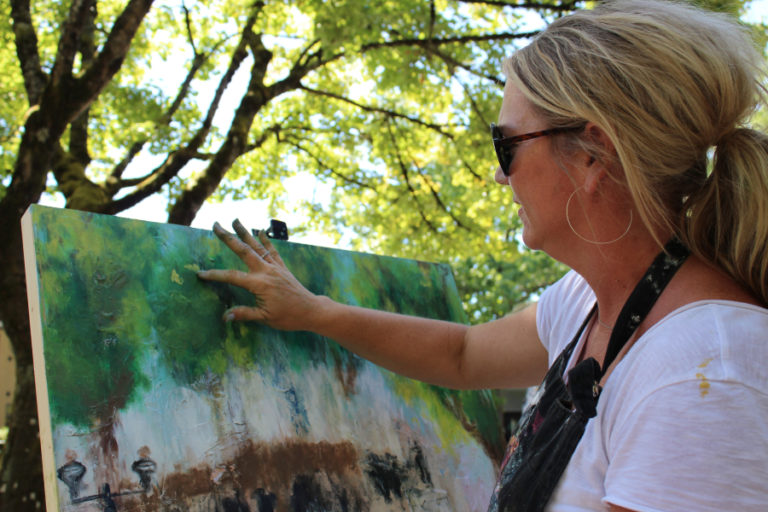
(613, 271)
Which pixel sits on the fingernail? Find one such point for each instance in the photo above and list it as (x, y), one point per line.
(239, 228)
(229, 316)
(217, 226)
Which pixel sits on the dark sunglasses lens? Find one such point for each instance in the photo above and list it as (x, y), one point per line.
(503, 156)
(503, 153)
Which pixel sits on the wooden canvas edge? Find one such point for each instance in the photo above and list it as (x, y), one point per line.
(38, 358)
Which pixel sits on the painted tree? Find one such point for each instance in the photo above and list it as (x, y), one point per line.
(109, 103)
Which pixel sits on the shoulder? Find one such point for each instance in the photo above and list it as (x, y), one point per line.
(691, 395)
(712, 340)
(561, 310)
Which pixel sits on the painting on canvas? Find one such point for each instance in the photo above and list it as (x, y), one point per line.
(149, 401)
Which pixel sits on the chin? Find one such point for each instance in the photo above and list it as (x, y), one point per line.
(530, 241)
(540, 240)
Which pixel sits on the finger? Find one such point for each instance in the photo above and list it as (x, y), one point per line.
(271, 251)
(244, 314)
(235, 277)
(244, 251)
(248, 238)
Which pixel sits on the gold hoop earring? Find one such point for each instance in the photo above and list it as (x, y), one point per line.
(594, 242)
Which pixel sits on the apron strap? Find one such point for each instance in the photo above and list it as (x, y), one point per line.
(644, 296)
(584, 378)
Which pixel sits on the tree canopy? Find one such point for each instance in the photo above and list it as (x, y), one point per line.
(108, 103)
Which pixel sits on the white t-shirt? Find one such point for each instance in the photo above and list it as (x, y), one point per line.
(682, 422)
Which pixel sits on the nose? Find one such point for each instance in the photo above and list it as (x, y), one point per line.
(500, 178)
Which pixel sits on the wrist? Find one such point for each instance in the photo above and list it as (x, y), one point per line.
(318, 313)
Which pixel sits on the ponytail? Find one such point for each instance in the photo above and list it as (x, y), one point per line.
(726, 221)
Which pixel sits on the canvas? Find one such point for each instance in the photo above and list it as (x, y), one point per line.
(149, 401)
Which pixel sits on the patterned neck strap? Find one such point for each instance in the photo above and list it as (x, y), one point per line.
(644, 296)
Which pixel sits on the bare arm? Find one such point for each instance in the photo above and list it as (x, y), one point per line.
(500, 354)
(503, 353)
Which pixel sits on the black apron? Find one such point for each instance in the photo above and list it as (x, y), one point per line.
(551, 428)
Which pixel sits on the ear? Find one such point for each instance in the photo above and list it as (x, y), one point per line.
(599, 161)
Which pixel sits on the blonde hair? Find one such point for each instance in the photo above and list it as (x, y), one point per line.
(667, 82)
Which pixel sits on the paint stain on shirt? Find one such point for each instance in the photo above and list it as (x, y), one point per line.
(703, 381)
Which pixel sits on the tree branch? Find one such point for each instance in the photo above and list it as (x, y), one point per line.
(188, 25)
(110, 58)
(304, 56)
(483, 120)
(435, 42)
(315, 60)
(27, 50)
(306, 63)
(69, 42)
(456, 64)
(78, 130)
(472, 171)
(404, 172)
(472, 102)
(115, 181)
(325, 166)
(154, 181)
(388, 113)
(561, 7)
(432, 17)
(437, 198)
(235, 144)
(238, 57)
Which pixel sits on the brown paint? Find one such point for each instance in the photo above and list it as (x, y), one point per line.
(272, 467)
(178, 486)
(106, 453)
(346, 374)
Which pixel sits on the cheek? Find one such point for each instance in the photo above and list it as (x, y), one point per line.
(518, 182)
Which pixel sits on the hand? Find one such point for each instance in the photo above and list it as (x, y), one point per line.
(281, 301)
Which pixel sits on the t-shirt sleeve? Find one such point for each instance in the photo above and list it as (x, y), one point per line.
(687, 440)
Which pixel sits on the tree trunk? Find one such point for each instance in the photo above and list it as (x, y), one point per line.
(21, 471)
(22, 464)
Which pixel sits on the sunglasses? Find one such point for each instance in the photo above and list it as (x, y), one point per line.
(506, 146)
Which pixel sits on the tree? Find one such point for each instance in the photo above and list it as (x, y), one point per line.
(109, 103)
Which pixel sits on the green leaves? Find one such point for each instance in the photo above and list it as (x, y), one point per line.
(385, 103)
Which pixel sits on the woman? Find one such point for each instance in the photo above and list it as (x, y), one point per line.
(607, 125)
